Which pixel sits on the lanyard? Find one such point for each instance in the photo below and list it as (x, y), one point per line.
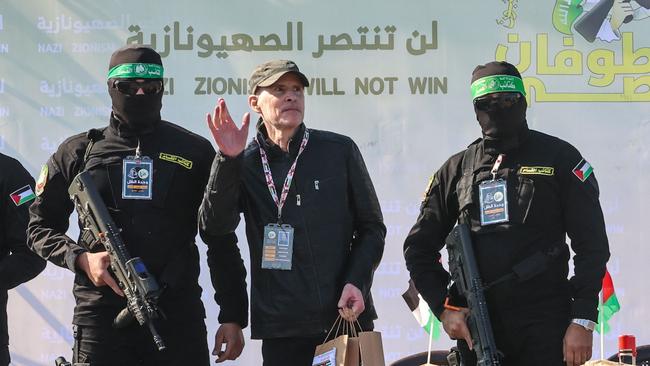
(496, 166)
(138, 154)
(287, 180)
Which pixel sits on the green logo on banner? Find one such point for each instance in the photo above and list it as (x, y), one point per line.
(565, 13)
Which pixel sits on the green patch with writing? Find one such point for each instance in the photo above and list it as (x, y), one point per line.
(187, 164)
(433, 181)
(537, 170)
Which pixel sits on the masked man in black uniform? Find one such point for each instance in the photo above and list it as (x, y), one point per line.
(543, 190)
(158, 220)
(17, 263)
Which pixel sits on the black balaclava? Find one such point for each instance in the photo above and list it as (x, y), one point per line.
(502, 125)
(139, 113)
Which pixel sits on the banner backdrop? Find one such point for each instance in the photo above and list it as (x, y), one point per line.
(393, 75)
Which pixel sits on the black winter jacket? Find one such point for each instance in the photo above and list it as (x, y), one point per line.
(339, 230)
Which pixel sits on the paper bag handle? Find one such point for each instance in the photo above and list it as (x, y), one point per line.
(348, 327)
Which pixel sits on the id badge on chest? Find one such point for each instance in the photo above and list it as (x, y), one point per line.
(137, 178)
(493, 198)
(277, 250)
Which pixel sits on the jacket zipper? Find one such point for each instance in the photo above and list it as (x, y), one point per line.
(311, 255)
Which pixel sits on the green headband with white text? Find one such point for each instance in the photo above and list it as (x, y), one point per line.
(497, 84)
(136, 71)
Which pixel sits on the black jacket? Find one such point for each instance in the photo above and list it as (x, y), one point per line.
(17, 263)
(546, 202)
(161, 231)
(339, 230)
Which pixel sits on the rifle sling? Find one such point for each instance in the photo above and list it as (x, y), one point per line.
(530, 266)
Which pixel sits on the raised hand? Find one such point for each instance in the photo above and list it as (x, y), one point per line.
(230, 139)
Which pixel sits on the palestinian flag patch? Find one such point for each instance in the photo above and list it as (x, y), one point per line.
(22, 195)
(583, 170)
(42, 180)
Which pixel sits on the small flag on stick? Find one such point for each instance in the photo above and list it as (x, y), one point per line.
(421, 311)
(608, 303)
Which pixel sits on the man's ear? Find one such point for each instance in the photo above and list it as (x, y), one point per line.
(252, 103)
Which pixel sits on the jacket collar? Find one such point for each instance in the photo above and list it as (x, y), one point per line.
(274, 150)
(121, 129)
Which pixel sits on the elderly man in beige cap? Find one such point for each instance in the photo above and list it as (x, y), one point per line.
(313, 222)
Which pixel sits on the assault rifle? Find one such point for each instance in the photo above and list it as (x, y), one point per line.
(465, 274)
(139, 286)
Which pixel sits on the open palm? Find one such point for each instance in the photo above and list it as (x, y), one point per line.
(230, 139)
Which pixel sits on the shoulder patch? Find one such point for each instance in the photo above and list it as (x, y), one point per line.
(583, 170)
(187, 164)
(22, 195)
(537, 170)
(433, 181)
(42, 180)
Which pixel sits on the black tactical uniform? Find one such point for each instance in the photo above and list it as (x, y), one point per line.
(548, 197)
(161, 231)
(17, 263)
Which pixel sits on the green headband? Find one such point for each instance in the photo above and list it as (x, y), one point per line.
(138, 71)
(497, 84)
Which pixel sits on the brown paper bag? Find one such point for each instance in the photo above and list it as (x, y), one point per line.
(352, 352)
(372, 350)
(353, 347)
(339, 344)
(364, 348)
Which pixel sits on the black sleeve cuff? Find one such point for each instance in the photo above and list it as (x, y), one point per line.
(235, 313)
(584, 309)
(71, 256)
